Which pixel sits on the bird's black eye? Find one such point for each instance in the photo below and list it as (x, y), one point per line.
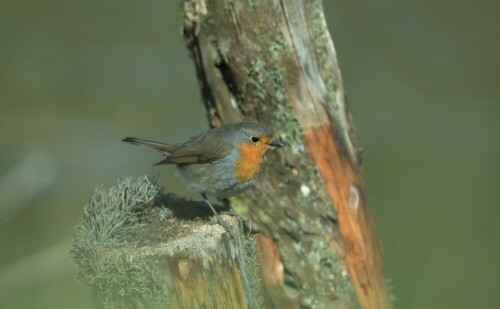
(254, 139)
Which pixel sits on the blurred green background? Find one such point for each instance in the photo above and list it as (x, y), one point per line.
(422, 78)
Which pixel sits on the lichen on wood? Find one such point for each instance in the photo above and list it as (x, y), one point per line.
(139, 247)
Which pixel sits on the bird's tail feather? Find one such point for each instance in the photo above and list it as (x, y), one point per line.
(165, 148)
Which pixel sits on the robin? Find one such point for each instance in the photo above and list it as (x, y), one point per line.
(221, 162)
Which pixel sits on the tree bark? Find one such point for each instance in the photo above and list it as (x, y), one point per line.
(275, 61)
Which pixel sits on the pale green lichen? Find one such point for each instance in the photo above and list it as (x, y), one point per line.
(292, 132)
(111, 218)
(251, 270)
(113, 214)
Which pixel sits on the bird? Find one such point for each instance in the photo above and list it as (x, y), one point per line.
(221, 162)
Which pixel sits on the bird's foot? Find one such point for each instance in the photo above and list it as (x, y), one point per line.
(233, 213)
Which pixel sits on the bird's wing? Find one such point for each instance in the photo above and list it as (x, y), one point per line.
(201, 149)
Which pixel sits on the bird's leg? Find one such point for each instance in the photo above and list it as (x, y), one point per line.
(219, 219)
(231, 212)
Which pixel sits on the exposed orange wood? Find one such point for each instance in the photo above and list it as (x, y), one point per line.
(344, 183)
(272, 272)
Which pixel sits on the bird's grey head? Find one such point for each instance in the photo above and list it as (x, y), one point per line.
(254, 132)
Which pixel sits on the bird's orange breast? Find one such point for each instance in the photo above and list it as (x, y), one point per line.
(249, 165)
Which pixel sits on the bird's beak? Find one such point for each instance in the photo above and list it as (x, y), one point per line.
(275, 143)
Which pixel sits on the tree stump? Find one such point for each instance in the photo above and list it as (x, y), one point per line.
(141, 248)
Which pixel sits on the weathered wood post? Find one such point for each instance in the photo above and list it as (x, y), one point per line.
(275, 61)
